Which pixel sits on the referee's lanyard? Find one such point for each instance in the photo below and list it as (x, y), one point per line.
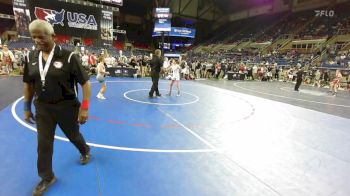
(43, 71)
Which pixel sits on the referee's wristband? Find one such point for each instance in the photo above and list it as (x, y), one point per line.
(27, 106)
(85, 105)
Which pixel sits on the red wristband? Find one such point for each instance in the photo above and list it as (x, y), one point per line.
(85, 104)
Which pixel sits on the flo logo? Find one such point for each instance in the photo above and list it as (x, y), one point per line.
(51, 16)
(326, 13)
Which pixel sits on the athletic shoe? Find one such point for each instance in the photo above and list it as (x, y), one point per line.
(100, 96)
(85, 159)
(43, 186)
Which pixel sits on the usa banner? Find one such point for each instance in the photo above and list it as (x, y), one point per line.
(68, 18)
(22, 17)
(107, 27)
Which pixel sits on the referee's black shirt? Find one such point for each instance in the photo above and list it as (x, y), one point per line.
(300, 74)
(156, 63)
(61, 79)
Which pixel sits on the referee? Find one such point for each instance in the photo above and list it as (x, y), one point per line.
(299, 79)
(156, 66)
(51, 77)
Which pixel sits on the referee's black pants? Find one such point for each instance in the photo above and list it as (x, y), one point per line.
(297, 85)
(155, 80)
(48, 116)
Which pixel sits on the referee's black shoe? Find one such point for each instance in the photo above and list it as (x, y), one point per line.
(85, 159)
(43, 186)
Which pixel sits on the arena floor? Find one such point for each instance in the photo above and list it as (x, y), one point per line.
(218, 138)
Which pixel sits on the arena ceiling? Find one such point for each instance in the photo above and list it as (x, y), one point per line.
(231, 6)
(197, 9)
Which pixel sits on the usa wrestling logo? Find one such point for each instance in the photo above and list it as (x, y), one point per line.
(51, 16)
(74, 19)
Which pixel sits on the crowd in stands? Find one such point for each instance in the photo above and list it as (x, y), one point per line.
(14, 54)
(194, 65)
(336, 58)
(270, 67)
(250, 63)
(299, 25)
(12, 60)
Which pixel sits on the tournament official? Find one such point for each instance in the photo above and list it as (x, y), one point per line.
(299, 79)
(50, 78)
(156, 65)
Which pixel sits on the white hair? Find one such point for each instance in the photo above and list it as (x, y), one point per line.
(43, 25)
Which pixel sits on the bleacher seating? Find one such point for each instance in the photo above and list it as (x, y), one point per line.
(27, 43)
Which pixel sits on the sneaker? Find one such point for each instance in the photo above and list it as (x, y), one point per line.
(159, 95)
(85, 159)
(43, 186)
(103, 97)
(168, 94)
(178, 95)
